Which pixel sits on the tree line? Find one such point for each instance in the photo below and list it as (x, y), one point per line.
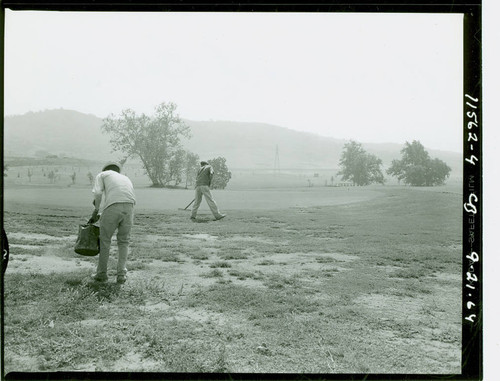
(156, 141)
(415, 168)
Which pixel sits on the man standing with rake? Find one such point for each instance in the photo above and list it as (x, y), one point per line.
(203, 182)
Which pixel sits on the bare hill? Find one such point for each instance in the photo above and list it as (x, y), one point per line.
(56, 132)
(258, 145)
(244, 145)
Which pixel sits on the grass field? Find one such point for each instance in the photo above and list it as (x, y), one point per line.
(366, 280)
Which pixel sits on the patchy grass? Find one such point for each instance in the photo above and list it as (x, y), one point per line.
(216, 273)
(200, 256)
(242, 275)
(221, 264)
(367, 287)
(233, 254)
(266, 262)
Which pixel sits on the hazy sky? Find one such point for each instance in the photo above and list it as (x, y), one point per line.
(368, 77)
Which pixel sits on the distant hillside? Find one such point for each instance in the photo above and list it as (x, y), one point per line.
(59, 132)
(256, 145)
(244, 145)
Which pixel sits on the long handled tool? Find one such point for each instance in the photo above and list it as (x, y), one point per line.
(188, 205)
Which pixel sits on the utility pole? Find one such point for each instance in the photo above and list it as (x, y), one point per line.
(276, 161)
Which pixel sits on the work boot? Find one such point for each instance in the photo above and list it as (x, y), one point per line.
(120, 279)
(100, 278)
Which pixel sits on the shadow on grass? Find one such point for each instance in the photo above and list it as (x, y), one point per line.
(202, 220)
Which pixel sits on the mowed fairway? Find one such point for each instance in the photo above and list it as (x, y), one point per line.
(315, 280)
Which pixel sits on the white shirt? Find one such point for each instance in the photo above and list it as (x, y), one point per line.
(114, 188)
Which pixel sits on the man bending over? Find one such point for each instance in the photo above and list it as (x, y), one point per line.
(114, 200)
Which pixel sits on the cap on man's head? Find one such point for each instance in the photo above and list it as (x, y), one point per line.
(112, 165)
(204, 162)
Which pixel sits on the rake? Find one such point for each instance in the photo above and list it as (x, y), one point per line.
(188, 205)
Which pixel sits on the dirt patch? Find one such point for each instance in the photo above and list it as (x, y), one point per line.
(154, 237)
(390, 268)
(177, 276)
(187, 314)
(155, 307)
(395, 307)
(181, 277)
(304, 261)
(247, 282)
(39, 237)
(447, 277)
(290, 265)
(91, 323)
(335, 256)
(201, 316)
(242, 238)
(209, 250)
(25, 264)
(303, 258)
(133, 361)
(27, 247)
(201, 236)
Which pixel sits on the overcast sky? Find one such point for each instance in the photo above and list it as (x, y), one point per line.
(368, 77)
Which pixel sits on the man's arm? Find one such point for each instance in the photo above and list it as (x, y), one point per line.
(97, 200)
(210, 176)
(97, 191)
(95, 215)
